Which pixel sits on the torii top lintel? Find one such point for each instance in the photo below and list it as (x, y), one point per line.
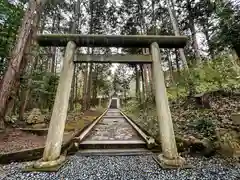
(126, 41)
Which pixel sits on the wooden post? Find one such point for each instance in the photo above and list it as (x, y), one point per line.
(57, 124)
(170, 155)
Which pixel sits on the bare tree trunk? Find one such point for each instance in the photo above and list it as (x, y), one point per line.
(53, 49)
(146, 82)
(32, 59)
(76, 85)
(11, 78)
(143, 86)
(170, 65)
(85, 87)
(137, 83)
(25, 97)
(177, 62)
(149, 67)
(176, 30)
(89, 84)
(89, 88)
(73, 28)
(193, 32)
(210, 49)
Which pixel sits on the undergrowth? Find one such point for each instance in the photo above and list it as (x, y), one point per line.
(213, 75)
(189, 119)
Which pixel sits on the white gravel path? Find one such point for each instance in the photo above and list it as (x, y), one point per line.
(128, 167)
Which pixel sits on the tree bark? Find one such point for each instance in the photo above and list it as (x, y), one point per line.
(137, 83)
(210, 49)
(85, 86)
(143, 84)
(177, 32)
(170, 65)
(89, 88)
(193, 32)
(25, 97)
(53, 49)
(11, 78)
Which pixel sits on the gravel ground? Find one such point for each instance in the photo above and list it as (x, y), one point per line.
(128, 167)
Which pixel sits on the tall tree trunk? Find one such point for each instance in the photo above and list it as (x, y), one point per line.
(210, 49)
(177, 62)
(146, 82)
(25, 95)
(33, 61)
(193, 32)
(149, 68)
(143, 85)
(146, 75)
(176, 30)
(137, 83)
(74, 25)
(85, 88)
(170, 65)
(53, 49)
(12, 75)
(76, 86)
(89, 89)
(72, 95)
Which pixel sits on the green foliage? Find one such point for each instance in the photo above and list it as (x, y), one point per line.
(43, 89)
(228, 33)
(101, 83)
(10, 19)
(205, 126)
(216, 74)
(122, 78)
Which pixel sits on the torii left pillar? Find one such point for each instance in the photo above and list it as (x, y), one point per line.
(52, 151)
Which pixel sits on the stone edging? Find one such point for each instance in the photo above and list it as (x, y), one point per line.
(36, 153)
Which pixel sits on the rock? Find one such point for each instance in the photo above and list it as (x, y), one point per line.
(202, 99)
(11, 119)
(236, 118)
(39, 126)
(228, 142)
(35, 117)
(47, 117)
(203, 146)
(209, 149)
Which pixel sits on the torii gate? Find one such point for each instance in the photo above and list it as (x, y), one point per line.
(52, 152)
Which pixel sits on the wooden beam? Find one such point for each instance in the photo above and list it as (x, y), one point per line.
(138, 59)
(126, 41)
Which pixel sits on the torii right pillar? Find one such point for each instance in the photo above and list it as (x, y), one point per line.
(169, 156)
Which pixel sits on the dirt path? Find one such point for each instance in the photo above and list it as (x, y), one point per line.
(15, 140)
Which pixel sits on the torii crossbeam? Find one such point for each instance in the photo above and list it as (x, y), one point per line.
(126, 41)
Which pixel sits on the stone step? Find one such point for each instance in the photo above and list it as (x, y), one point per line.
(114, 152)
(128, 144)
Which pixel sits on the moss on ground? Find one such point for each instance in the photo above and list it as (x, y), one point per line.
(78, 120)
